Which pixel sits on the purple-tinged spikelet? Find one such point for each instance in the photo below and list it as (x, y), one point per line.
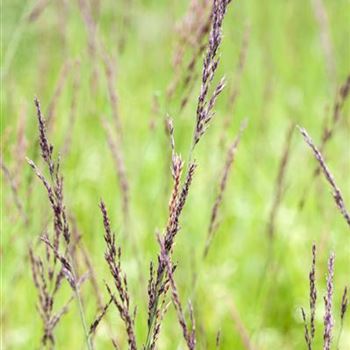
(328, 130)
(113, 259)
(54, 188)
(310, 328)
(159, 283)
(344, 304)
(328, 316)
(338, 198)
(99, 318)
(306, 330)
(45, 146)
(313, 292)
(188, 334)
(210, 64)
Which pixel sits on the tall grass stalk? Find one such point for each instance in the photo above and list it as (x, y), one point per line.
(337, 195)
(54, 189)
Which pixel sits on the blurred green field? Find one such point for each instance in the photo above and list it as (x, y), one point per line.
(286, 79)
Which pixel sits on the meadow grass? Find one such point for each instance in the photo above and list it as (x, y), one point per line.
(103, 78)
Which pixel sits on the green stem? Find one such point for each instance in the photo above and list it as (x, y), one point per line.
(81, 310)
(83, 320)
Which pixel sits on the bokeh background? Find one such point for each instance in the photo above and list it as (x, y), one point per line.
(297, 57)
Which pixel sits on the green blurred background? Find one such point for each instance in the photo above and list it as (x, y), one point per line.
(287, 79)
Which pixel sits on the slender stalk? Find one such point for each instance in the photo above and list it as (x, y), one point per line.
(81, 309)
(337, 195)
(204, 114)
(83, 320)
